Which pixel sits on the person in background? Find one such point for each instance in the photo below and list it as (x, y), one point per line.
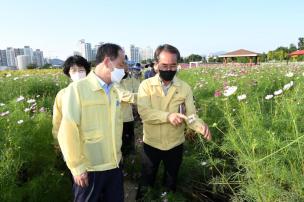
(165, 105)
(128, 138)
(151, 71)
(76, 68)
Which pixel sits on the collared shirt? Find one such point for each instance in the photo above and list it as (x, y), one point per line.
(105, 87)
(165, 87)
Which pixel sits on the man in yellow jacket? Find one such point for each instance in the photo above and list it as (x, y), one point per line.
(165, 104)
(91, 128)
(128, 137)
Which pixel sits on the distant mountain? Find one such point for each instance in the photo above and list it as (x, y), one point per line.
(56, 62)
(217, 53)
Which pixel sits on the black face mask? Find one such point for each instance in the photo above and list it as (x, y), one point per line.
(126, 75)
(167, 75)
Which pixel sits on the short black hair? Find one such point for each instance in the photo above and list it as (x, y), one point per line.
(166, 48)
(107, 50)
(76, 60)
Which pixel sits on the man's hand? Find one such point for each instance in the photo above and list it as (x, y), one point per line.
(204, 130)
(176, 118)
(82, 180)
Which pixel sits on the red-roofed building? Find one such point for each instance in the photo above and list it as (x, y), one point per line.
(297, 53)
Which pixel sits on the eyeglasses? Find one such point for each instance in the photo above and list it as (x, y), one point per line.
(167, 66)
(75, 69)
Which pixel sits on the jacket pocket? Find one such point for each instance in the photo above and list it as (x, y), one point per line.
(94, 115)
(93, 147)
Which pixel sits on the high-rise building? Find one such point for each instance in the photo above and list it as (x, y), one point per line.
(11, 58)
(38, 58)
(18, 51)
(135, 54)
(147, 53)
(95, 49)
(29, 52)
(3, 58)
(23, 61)
(85, 49)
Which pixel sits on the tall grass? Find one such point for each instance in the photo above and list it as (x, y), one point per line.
(261, 139)
(29, 167)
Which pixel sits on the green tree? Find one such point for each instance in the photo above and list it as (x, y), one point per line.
(270, 56)
(301, 43)
(32, 66)
(46, 66)
(292, 48)
(263, 57)
(194, 58)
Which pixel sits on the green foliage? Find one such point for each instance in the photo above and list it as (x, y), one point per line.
(193, 58)
(32, 66)
(256, 153)
(257, 148)
(29, 165)
(301, 43)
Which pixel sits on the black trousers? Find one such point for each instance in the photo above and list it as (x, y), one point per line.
(128, 139)
(151, 158)
(106, 185)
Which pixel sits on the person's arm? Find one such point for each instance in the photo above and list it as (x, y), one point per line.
(196, 124)
(147, 113)
(69, 136)
(57, 116)
(125, 95)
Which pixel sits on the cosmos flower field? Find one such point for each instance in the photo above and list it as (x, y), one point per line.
(255, 115)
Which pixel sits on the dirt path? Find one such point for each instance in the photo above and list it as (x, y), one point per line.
(130, 189)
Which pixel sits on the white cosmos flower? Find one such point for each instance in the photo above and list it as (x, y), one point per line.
(2, 104)
(241, 97)
(289, 74)
(30, 101)
(203, 163)
(4, 113)
(27, 109)
(278, 92)
(268, 97)
(20, 121)
(288, 86)
(19, 99)
(16, 78)
(163, 194)
(8, 75)
(230, 90)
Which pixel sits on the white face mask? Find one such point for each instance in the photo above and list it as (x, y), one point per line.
(117, 75)
(78, 75)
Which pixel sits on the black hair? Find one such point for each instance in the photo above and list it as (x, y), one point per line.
(107, 50)
(76, 60)
(166, 48)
